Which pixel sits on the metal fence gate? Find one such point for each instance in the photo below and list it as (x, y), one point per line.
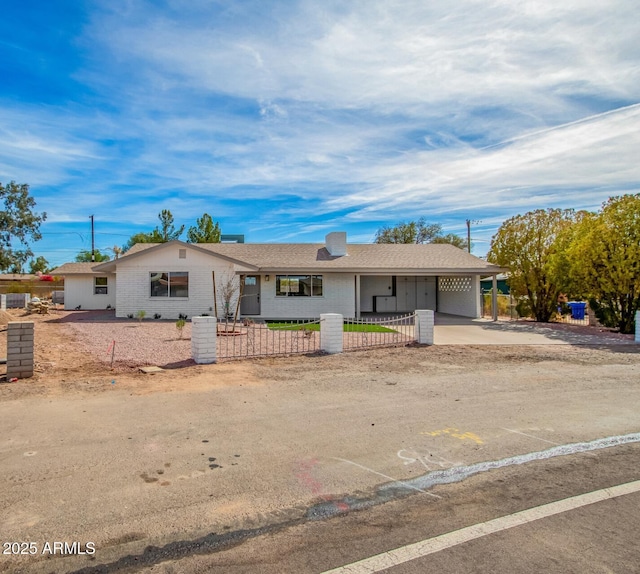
(260, 339)
(378, 331)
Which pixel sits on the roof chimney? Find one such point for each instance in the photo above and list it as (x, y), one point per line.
(336, 243)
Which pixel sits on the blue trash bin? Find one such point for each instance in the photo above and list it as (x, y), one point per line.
(577, 309)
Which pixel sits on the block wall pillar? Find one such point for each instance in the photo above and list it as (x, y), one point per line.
(331, 332)
(20, 350)
(203, 339)
(425, 320)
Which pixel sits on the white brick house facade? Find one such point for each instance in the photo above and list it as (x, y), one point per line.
(176, 278)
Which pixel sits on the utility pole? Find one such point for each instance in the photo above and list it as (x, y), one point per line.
(93, 242)
(469, 222)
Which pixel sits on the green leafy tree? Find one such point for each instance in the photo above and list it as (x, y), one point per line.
(527, 244)
(18, 224)
(85, 256)
(205, 231)
(39, 264)
(417, 232)
(603, 261)
(163, 233)
(167, 230)
(452, 239)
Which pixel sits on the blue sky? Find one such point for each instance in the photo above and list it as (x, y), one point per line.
(286, 120)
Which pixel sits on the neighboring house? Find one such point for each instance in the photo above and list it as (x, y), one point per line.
(8, 278)
(85, 288)
(280, 281)
(486, 283)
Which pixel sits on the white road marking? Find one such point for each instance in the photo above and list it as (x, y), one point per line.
(387, 477)
(530, 436)
(432, 545)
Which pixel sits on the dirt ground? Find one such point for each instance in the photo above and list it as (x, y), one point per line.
(69, 360)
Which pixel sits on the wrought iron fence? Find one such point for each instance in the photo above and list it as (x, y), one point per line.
(572, 313)
(378, 331)
(506, 307)
(248, 339)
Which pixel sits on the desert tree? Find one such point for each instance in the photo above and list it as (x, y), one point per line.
(527, 244)
(205, 231)
(19, 224)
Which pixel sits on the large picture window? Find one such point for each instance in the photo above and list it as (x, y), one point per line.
(299, 285)
(100, 286)
(169, 284)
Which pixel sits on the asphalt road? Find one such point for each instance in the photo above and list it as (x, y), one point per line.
(311, 463)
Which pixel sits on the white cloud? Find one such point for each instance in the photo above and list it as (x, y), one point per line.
(361, 111)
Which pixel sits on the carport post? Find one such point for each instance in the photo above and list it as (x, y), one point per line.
(494, 297)
(637, 327)
(424, 326)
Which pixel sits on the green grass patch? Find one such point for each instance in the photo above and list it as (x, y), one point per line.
(347, 327)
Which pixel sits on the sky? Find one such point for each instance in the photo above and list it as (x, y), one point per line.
(287, 120)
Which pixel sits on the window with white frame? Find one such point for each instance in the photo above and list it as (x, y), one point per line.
(100, 286)
(299, 285)
(169, 283)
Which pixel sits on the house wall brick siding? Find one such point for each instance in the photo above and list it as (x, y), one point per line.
(338, 297)
(79, 290)
(134, 285)
(465, 303)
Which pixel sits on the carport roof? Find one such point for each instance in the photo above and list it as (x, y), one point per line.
(313, 257)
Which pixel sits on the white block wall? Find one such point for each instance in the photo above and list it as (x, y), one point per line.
(134, 284)
(338, 297)
(463, 303)
(203, 339)
(331, 332)
(79, 290)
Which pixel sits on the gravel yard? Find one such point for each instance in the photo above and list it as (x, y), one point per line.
(74, 348)
(157, 342)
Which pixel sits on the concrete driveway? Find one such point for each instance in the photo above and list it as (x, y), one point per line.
(454, 330)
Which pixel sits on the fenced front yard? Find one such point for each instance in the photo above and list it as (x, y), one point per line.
(156, 342)
(302, 337)
(134, 343)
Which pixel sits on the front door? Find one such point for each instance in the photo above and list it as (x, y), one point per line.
(250, 302)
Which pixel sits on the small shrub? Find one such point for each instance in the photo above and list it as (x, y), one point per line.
(180, 323)
(141, 315)
(157, 316)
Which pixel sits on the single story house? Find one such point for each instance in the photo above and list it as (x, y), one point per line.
(280, 281)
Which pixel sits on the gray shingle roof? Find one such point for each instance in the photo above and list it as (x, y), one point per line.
(75, 269)
(363, 258)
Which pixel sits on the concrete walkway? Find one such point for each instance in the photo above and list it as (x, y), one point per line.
(453, 330)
